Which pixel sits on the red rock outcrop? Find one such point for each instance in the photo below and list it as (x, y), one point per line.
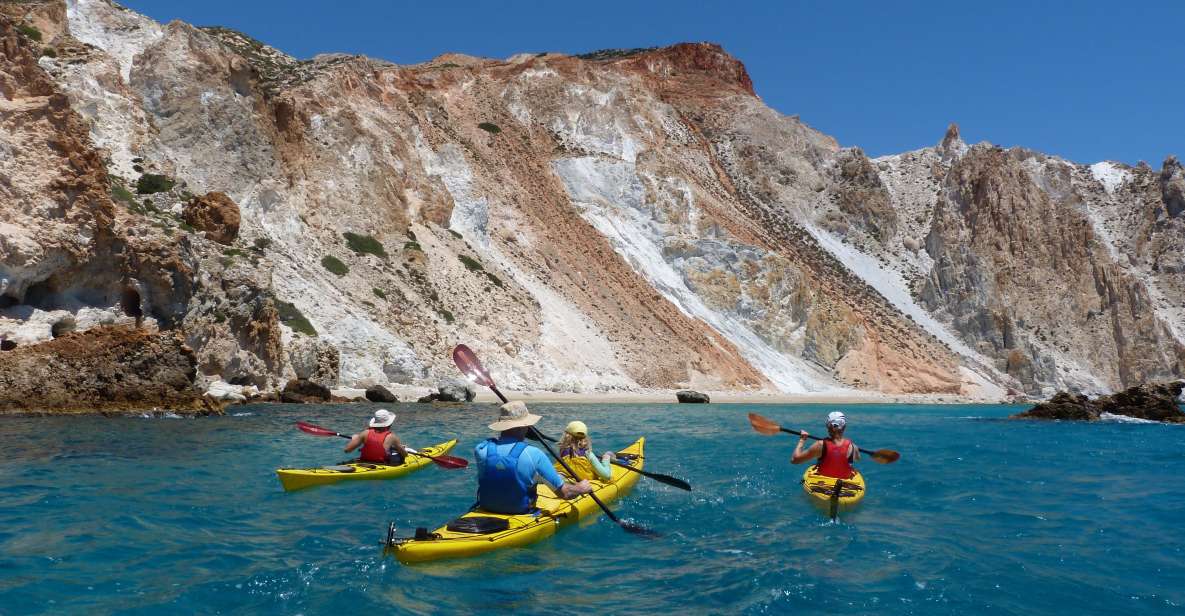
(214, 214)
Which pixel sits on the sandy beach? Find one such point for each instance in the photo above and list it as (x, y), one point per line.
(408, 393)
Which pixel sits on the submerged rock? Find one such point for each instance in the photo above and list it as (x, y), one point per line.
(688, 396)
(378, 393)
(1151, 401)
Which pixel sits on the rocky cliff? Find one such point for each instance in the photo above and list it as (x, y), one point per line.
(622, 219)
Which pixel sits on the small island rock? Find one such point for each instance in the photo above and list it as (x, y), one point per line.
(688, 396)
(1151, 401)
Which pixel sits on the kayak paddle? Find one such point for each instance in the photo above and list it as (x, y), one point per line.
(468, 364)
(766, 426)
(449, 462)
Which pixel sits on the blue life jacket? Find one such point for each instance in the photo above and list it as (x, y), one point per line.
(499, 487)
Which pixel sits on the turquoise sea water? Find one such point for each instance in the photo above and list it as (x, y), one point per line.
(980, 516)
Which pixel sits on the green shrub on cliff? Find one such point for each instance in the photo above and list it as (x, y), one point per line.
(379, 293)
(490, 128)
(364, 244)
(613, 54)
(293, 318)
(29, 31)
(49, 52)
(413, 246)
(471, 264)
(334, 265)
(153, 183)
(119, 193)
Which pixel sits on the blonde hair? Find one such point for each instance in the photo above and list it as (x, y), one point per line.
(575, 443)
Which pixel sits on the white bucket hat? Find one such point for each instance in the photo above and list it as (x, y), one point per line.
(382, 419)
(514, 414)
(837, 419)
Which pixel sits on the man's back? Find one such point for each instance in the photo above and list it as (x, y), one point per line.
(506, 472)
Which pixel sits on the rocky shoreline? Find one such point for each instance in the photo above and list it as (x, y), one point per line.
(1151, 402)
(117, 369)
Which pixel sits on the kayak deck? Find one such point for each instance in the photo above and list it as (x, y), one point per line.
(821, 488)
(300, 478)
(478, 532)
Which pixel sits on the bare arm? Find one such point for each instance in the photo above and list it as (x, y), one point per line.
(355, 442)
(568, 491)
(392, 443)
(811, 452)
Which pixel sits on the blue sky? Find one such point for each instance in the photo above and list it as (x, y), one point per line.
(1085, 80)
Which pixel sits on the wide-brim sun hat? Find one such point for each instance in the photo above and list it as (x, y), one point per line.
(514, 414)
(382, 419)
(576, 428)
(837, 419)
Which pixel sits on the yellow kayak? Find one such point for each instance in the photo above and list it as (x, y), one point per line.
(478, 532)
(821, 489)
(300, 478)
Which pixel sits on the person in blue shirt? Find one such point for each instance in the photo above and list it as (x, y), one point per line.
(507, 466)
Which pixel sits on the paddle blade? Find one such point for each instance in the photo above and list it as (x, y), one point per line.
(451, 462)
(674, 482)
(468, 363)
(885, 456)
(763, 425)
(638, 529)
(313, 429)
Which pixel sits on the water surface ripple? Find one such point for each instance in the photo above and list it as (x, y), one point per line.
(981, 515)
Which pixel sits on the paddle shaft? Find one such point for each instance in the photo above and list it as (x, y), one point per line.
(820, 438)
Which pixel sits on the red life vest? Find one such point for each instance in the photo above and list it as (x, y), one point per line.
(373, 449)
(836, 460)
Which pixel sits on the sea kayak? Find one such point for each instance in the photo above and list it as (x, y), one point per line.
(822, 490)
(299, 478)
(478, 532)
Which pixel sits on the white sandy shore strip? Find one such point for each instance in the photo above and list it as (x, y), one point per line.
(407, 393)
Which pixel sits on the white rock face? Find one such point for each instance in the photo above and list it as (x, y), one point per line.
(123, 34)
(225, 392)
(1110, 175)
(611, 197)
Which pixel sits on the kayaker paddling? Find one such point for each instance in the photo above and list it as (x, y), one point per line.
(575, 448)
(379, 444)
(835, 453)
(507, 466)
